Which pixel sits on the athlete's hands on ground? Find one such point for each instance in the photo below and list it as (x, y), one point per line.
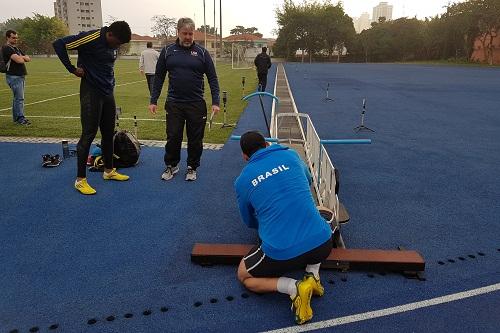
(152, 108)
(215, 109)
(79, 72)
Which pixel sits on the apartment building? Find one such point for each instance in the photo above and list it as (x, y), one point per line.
(362, 23)
(383, 9)
(79, 15)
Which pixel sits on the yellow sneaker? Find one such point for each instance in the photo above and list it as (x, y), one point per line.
(83, 187)
(114, 175)
(301, 304)
(317, 287)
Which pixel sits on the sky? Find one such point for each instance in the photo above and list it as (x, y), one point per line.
(248, 13)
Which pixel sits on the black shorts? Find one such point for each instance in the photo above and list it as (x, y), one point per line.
(258, 264)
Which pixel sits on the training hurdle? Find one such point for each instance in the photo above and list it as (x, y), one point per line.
(301, 131)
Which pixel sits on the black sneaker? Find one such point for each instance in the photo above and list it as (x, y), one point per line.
(51, 161)
(169, 172)
(23, 121)
(46, 160)
(190, 174)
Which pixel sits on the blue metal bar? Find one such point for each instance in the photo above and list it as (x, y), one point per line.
(261, 93)
(325, 142)
(346, 142)
(237, 137)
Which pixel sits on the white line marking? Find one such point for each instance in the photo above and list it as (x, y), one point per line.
(121, 118)
(389, 311)
(56, 82)
(41, 84)
(78, 117)
(54, 98)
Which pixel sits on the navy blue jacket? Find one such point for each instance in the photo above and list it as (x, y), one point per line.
(94, 55)
(275, 198)
(186, 67)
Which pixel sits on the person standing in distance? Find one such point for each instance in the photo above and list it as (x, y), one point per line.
(15, 61)
(97, 52)
(147, 64)
(186, 63)
(263, 63)
(274, 197)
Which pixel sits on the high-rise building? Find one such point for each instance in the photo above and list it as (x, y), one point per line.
(361, 23)
(79, 15)
(383, 9)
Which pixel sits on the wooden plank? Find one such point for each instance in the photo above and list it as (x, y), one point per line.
(344, 259)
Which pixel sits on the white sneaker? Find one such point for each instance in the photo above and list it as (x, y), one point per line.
(169, 172)
(190, 174)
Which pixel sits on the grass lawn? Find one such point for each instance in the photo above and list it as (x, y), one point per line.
(52, 101)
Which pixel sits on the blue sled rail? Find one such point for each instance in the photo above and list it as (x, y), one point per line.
(325, 142)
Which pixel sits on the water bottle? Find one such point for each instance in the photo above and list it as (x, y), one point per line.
(65, 149)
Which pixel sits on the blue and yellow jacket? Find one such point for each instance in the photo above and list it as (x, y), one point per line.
(186, 67)
(275, 198)
(94, 55)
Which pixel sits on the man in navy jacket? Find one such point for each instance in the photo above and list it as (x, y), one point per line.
(186, 63)
(97, 52)
(274, 197)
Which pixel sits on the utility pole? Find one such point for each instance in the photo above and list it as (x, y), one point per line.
(215, 40)
(204, 25)
(220, 26)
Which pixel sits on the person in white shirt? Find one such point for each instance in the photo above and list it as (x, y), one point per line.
(147, 64)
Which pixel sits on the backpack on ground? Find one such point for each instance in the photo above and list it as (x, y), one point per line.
(126, 149)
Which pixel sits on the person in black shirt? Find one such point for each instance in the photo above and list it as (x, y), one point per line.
(186, 63)
(97, 52)
(263, 63)
(15, 61)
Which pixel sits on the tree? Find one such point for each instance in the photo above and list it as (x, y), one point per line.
(238, 30)
(210, 30)
(241, 30)
(164, 26)
(487, 18)
(110, 20)
(13, 24)
(37, 33)
(311, 26)
(40, 31)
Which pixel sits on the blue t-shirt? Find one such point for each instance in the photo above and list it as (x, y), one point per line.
(274, 196)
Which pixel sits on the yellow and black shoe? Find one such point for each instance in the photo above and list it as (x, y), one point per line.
(317, 287)
(83, 187)
(114, 175)
(301, 304)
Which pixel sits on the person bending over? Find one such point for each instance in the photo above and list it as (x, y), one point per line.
(274, 197)
(97, 52)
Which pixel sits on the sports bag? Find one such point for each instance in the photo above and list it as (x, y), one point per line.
(127, 149)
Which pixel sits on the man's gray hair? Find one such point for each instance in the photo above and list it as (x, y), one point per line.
(185, 22)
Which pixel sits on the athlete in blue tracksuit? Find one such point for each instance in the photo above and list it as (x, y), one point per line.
(97, 52)
(274, 197)
(186, 63)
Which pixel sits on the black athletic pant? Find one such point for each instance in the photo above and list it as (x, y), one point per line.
(96, 111)
(194, 115)
(150, 79)
(262, 81)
